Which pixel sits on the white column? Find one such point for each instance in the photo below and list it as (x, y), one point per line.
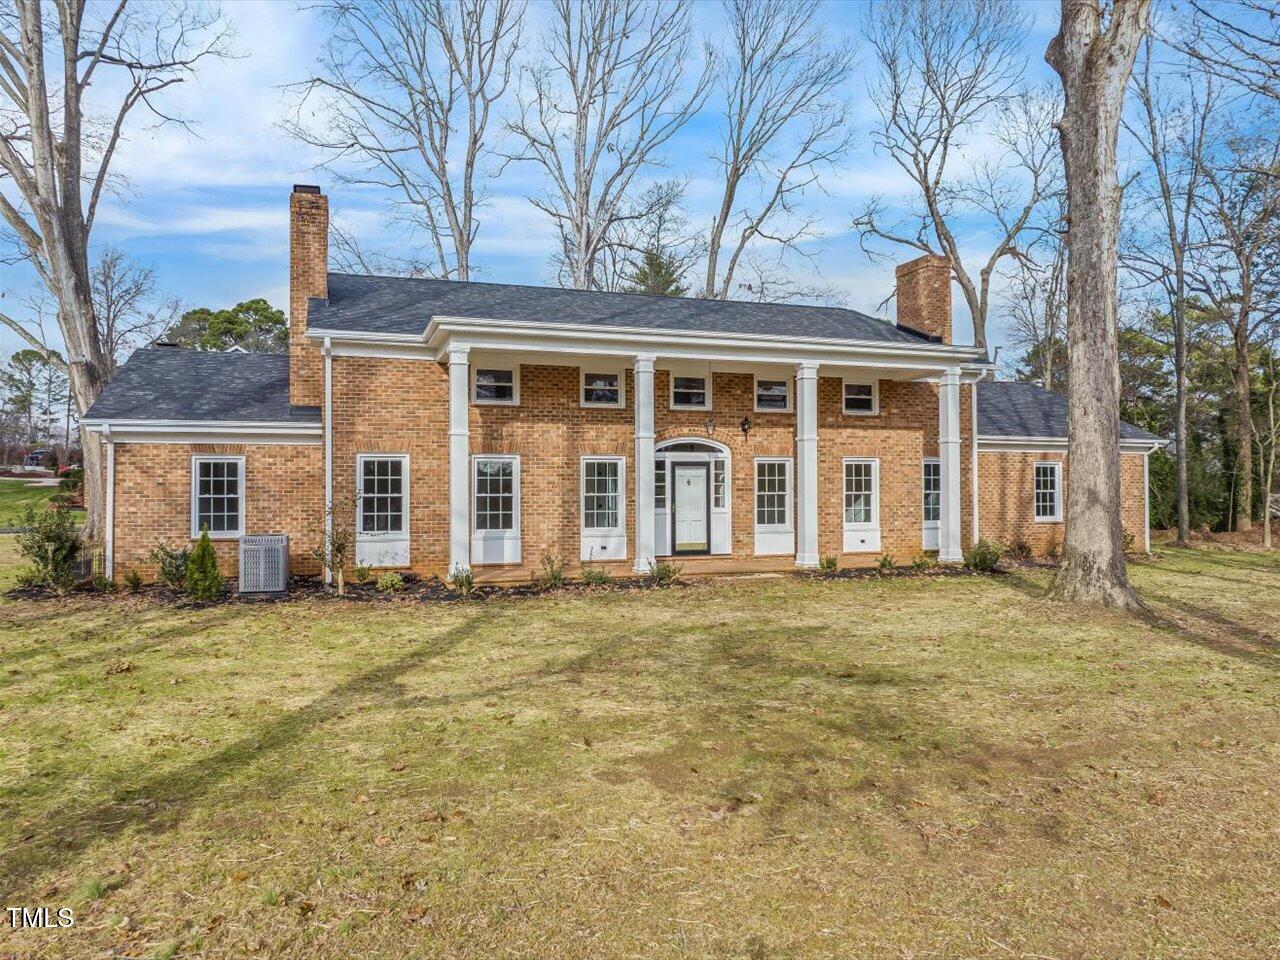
(949, 550)
(806, 465)
(642, 396)
(459, 460)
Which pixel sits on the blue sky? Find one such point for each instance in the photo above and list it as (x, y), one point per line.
(206, 208)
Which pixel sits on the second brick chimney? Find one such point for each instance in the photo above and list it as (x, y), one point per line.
(308, 277)
(924, 296)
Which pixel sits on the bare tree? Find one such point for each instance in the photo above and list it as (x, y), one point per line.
(1093, 54)
(1170, 127)
(57, 152)
(127, 305)
(1268, 440)
(397, 80)
(1238, 40)
(945, 70)
(607, 94)
(654, 223)
(784, 122)
(1239, 215)
(1037, 304)
(347, 254)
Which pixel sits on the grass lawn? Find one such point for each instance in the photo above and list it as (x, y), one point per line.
(17, 495)
(759, 768)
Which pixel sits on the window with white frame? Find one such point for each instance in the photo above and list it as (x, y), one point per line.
(495, 385)
(660, 485)
(690, 393)
(773, 493)
(932, 491)
(601, 389)
(718, 485)
(860, 493)
(1048, 491)
(601, 494)
(495, 487)
(861, 399)
(773, 395)
(382, 497)
(217, 494)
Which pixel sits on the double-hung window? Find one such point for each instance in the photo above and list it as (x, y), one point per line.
(217, 496)
(601, 493)
(382, 494)
(932, 491)
(601, 389)
(773, 493)
(495, 385)
(773, 396)
(1048, 491)
(861, 399)
(690, 393)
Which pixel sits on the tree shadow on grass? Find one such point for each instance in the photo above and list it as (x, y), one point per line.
(1214, 631)
(163, 801)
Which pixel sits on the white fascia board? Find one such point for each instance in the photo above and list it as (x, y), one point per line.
(362, 343)
(207, 431)
(990, 444)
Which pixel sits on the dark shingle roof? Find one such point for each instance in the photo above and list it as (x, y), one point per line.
(404, 305)
(171, 383)
(1009, 409)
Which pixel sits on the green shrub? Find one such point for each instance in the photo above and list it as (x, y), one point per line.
(922, 564)
(663, 572)
(462, 581)
(552, 571)
(983, 556)
(594, 576)
(133, 581)
(363, 573)
(390, 582)
(204, 580)
(829, 564)
(100, 584)
(71, 481)
(51, 543)
(171, 565)
(886, 563)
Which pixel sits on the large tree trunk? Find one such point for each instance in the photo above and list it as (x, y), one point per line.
(1094, 63)
(1180, 420)
(1244, 431)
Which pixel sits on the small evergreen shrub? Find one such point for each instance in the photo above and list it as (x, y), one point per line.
(462, 581)
(983, 556)
(133, 581)
(663, 572)
(100, 584)
(204, 580)
(828, 564)
(363, 573)
(171, 565)
(552, 571)
(922, 564)
(886, 563)
(51, 543)
(390, 582)
(594, 576)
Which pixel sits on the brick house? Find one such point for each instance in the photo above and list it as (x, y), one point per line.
(484, 426)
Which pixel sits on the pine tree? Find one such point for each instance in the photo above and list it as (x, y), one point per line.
(658, 274)
(204, 581)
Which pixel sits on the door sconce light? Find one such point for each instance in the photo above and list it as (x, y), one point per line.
(746, 427)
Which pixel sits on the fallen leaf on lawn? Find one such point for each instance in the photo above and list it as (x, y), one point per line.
(381, 841)
(362, 799)
(397, 767)
(1163, 901)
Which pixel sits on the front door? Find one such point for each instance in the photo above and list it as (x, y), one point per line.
(691, 518)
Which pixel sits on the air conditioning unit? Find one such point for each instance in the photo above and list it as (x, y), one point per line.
(264, 563)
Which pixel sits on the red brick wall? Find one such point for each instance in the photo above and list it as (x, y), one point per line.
(1006, 508)
(308, 277)
(283, 493)
(924, 296)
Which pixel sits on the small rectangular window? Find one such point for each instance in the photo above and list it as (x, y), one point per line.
(381, 494)
(1048, 491)
(773, 495)
(217, 495)
(690, 393)
(860, 398)
(773, 395)
(494, 386)
(601, 494)
(860, 493)
(660, 485)
(718, 492)
(495, 494)
(932, 491)
(601, 389)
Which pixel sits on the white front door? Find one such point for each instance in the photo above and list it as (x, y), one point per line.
(689, 497)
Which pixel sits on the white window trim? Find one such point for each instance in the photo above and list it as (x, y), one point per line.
(497, 535)
(402, 534)
(622, 493)
(926, 461)
(602, 368)
(1057, 491)
(195, 497)
(875, 397)
(515, 384)
(874, 522)
(671, 389)
(789, 526)
(755, 394)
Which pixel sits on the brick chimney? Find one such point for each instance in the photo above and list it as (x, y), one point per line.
(924, 296)
(308, 277)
